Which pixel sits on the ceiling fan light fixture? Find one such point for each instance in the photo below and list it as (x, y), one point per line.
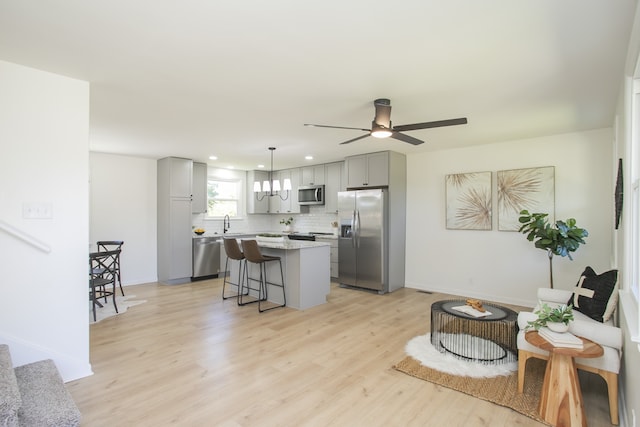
(380, 131)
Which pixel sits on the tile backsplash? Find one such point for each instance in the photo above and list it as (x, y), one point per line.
(316, 220)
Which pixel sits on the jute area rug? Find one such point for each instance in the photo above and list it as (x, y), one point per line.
(501, 390)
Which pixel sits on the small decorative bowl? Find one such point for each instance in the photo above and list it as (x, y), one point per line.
(199, 233)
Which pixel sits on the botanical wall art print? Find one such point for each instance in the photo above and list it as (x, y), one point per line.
(532, 189)
(468, 201)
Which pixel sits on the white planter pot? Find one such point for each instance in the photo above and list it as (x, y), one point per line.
(558, 326)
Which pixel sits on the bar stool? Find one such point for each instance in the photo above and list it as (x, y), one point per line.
(234, 253)
(253, 255)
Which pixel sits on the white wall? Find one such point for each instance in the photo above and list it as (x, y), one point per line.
(44, 133)
(499, 265)
(123, 193)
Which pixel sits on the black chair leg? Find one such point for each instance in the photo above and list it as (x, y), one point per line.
(93, 301)
(114, 297)
(266, 283)
(120, 282)
(249, 279)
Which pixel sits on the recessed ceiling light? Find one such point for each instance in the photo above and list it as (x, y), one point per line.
(308, 157)
(213, 158)
(260, 166)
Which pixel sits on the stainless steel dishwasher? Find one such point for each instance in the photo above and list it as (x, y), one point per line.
(206, 257)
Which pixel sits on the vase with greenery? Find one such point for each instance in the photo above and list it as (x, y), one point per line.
(287, 223)
(561, 238)
(562, 314)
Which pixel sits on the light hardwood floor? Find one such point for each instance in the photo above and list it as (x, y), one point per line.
(189, 358)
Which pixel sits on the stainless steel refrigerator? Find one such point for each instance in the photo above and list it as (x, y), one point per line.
(363, 244)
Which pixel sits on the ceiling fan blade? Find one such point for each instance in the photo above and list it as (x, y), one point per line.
(406, 138)
(435, 124)
(355, 139)
(336, 127)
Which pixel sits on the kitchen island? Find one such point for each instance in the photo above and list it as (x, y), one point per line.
(306, 269)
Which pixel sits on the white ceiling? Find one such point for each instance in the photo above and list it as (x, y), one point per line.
(195, 78)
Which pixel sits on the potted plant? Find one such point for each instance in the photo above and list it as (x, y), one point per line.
(557, 319)
(561, 239)
(287, 223)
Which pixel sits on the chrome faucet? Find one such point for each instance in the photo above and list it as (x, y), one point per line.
(226, 224)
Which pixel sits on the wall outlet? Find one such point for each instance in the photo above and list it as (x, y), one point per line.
(37, 210)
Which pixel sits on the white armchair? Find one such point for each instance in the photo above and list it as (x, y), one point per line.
(605, 334)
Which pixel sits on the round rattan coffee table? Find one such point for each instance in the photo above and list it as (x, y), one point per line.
(489, 340)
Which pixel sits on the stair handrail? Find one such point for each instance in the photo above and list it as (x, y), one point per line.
(15, 232)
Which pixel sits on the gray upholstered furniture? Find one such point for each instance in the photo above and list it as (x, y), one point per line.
(34, 395)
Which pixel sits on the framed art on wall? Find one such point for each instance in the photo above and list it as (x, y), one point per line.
(468, 201)
(532, 189)
(619, 194)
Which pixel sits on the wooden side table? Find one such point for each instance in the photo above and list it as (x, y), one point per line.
(561, 397)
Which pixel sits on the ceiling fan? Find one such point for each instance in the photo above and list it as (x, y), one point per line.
(381, 125)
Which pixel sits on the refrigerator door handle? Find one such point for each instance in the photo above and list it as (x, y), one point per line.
(357, 215)
(353, 229)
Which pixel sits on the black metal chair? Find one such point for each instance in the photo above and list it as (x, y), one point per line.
(234, 253)
(253, 255)
(99, 263)
(112, 245)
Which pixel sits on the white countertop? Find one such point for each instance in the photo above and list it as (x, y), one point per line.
(287, 244)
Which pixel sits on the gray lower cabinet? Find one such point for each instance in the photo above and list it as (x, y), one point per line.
(334, 254)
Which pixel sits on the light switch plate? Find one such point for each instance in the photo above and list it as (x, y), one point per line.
(37, 210)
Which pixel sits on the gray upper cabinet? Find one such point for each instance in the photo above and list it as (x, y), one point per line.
(313, 175)
(334, 183)
(276, 204)
(290, 205)
(253, 205)
(368, 170)
(199, 202)
(180, 173)
(295, 176)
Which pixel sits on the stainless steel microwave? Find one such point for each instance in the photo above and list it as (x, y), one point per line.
(311, 195)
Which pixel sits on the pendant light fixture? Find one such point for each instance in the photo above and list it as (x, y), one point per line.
(272, 186)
